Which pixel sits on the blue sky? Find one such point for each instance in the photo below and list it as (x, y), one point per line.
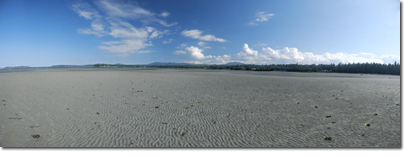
(49, 32)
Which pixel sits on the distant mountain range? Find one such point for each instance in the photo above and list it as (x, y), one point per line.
(168, 63)
(119, 64)
(72, 66)
(234, 63)
(17, 67)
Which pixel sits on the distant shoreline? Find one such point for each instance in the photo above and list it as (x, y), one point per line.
(155, 68)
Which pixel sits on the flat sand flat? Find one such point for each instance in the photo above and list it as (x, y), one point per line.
(197, 108)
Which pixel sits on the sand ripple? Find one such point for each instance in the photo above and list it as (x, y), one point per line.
(195, 108)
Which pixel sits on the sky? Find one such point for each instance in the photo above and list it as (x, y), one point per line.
(75, 32)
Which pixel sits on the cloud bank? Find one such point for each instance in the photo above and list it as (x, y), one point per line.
(293, 55)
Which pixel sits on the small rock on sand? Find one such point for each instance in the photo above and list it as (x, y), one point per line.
(328, 138)
(35, 136)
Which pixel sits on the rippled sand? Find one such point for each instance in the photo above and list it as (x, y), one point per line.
(197, 108)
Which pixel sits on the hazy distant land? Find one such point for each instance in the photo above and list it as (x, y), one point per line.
(136, 107)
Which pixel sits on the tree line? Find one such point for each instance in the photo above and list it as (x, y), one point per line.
(365, 68)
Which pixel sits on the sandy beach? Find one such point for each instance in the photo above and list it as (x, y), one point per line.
(197, 108)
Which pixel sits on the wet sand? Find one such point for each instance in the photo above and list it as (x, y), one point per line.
(197, 108)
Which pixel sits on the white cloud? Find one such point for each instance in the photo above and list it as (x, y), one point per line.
(214, 60)
(246, 52)
(207, 47)
(164, 23)
(131, 11)
(111, 42)
(211, 38)
(84, 10)
(197, 34)
(89, 31)
(126, 30)
(390, 59)
(158, 34)
(260, 17)
(293, 55)
(115, 23)
(201, 43)
(154, 34)
(192, 33)
(221, 59)
(126, 47)
(165, 14)
(97, 26)
(196, 52)
(167, 41)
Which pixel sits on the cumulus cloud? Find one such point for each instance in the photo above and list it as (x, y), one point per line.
(113, 18)
(221, 59)
(293, 55)
(390, 59)
(197, 34)
(213, 60)
(260, 17)
(196, 52)
(247, 51)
